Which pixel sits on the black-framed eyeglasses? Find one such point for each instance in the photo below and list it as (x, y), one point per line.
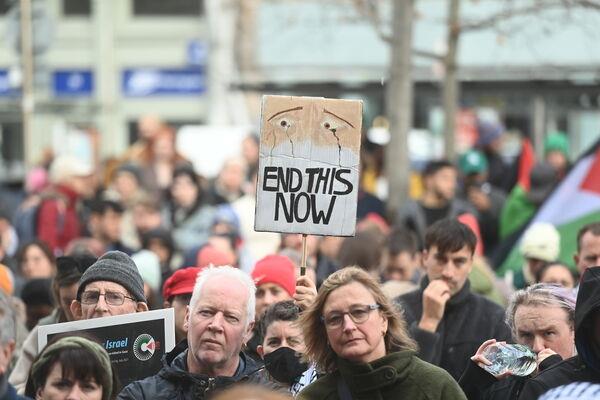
(358, 315)
(111, 298)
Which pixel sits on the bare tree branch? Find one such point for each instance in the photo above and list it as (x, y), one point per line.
(370, 10)
(428, 54)
(589, 4)
(538, 6)
(509, 13)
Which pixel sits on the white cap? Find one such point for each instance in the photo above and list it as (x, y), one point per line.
(541, 241)
(67, 166)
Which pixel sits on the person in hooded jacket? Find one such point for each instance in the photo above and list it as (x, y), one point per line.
(541, 316)
(585, 366)
(219, 320)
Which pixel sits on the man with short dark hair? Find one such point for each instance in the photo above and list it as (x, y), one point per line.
(403, 257)
(437, 202)
(588, 247)
(448, 321)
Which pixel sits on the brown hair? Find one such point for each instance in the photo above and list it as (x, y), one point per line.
(317, 350)
(449, 236)
(593, 228)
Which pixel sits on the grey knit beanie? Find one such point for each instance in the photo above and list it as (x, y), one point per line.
(115, 266)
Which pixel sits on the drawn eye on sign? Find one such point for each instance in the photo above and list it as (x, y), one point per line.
(336, 131)
(309, 165)
(283, 127)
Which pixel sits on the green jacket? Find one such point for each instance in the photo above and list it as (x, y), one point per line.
(400, 375)
(516, 212)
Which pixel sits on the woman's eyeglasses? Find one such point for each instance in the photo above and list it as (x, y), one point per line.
(358, 315)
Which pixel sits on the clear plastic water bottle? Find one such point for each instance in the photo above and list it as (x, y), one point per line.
(514, 358)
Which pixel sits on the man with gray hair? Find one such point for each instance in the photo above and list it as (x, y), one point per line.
(7, 346)
(542, 317)
(219, 320)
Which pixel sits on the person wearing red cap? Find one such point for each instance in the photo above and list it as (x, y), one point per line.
(275, 279)
(177, 292)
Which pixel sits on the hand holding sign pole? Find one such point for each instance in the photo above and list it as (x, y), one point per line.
(308, 167)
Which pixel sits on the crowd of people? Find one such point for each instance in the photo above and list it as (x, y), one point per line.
(405, 309)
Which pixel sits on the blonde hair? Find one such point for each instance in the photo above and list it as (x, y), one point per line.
(317, 349)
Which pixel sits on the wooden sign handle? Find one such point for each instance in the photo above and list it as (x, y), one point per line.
(303, 263)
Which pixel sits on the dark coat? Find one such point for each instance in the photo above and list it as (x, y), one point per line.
(585, 366)
(7, 391)
(412, 216)
(469, 320)
(174, 381)
(478, 384)
(399, 375)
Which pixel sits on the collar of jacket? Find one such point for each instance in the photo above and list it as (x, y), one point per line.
(372, 376)
(175, 367)
(459, 298)
(70, 195)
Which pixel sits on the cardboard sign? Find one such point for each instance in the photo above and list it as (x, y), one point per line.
(134, 342)
(309, 165)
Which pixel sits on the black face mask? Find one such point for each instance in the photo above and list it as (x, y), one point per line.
(284, 365)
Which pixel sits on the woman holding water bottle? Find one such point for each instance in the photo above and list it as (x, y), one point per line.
(541, 317)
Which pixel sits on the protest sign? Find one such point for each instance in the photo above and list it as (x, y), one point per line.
(309, 165)
(135, 342)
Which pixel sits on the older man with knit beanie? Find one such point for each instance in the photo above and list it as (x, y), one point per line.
(110, 286)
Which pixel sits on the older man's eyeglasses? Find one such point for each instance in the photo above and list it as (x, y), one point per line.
(358, 315)
(111, 298)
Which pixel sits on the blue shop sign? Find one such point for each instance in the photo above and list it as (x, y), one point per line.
(72, 83)
(6, 90)
(144, 82)
(196, 52)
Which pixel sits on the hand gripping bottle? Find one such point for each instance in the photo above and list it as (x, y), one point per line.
(514, 358)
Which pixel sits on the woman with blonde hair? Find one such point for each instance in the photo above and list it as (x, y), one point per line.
(359, 339)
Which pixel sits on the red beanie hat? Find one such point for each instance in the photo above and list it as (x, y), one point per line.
(181, 282)
(278, 270)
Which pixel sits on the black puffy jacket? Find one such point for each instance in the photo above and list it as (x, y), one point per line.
(174, 381)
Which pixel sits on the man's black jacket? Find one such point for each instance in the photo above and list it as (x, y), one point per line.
(469, 320)
(174, 381)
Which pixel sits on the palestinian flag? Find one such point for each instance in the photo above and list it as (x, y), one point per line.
(573, 204)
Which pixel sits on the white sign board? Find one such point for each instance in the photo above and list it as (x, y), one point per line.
(309, 165)
(208, 147)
